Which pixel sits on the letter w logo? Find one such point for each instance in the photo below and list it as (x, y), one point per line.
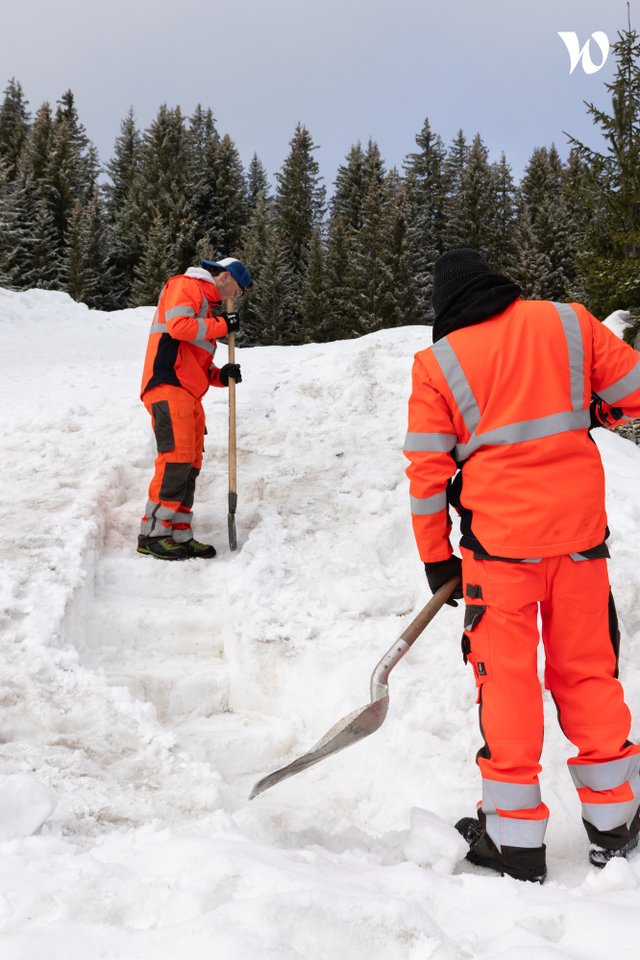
(572, 44)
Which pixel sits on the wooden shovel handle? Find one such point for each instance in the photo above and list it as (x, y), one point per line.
(233, 470)
(429, 611)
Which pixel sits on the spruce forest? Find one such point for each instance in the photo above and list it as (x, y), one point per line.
(324, 269)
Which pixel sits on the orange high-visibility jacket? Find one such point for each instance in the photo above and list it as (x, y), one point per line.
(182, 339)
(507, 402)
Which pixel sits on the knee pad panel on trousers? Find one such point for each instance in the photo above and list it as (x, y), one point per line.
(175, 482)
(163, 426)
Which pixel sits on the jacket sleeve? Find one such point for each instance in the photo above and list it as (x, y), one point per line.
(615, 370)
(183, 311)
(430, 441)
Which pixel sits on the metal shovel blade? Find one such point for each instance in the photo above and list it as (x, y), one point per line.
(355, 726)
(361, 723)
(231, 521)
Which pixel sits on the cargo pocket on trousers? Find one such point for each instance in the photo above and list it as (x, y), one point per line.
(163, 426)
(473, 647)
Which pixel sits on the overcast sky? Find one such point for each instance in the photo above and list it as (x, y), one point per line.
(347, 69)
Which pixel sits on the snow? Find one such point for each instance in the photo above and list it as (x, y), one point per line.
(140, 701)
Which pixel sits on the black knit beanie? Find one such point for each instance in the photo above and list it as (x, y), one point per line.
(452, 271)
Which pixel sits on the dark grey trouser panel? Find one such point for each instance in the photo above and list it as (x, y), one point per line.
(614, 631)
(162, 426)
(191, 487)
(175, 482)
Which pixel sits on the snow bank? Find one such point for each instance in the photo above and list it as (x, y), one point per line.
(149, 699)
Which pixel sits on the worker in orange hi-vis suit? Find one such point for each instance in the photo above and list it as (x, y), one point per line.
(178, 371)
(499, 420)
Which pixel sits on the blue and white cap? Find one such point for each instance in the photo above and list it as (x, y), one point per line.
(235, 267)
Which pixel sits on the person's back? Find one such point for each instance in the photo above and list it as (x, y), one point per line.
(499, 421)
(519, 387)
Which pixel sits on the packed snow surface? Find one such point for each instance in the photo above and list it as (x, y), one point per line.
(140, 701)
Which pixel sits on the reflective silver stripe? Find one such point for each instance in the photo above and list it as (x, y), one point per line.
(426, 506)
(204, 345)
(156, 326)
(498, 795)
(155, 514)
(163, 513)
(458, 383)
(179, 311)
(204, 308)
(525, 430)
(182, 517)
(622, 387)
(512, 832)
(608, 816)
(607, 775)
(423, 442)
(202, 330)
(181, 536)
(573, 333)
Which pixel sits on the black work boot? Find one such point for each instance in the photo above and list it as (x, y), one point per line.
(204, 551)
(608, 844)
(600, 856)
(163, 548)
(522, 863)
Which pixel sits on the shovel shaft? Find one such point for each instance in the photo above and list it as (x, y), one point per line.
(233, 460)
(381, 672)
(428, 612)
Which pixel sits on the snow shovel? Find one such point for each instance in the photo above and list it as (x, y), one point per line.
(233, 467)
(360, 723)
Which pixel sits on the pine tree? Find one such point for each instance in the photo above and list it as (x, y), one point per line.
(257, 241)
(203, 140)
(545, 263)
(426, 196)
(157, 264)
(86, 277)
(474, 210)
(257, 183)
(370, 274)
(37, 263)
(72, 169)
(502, 247)
(8, 227)
(314, 299)
(14, 128)
(351, 265)
(299, 206)
(455, 231)
(403, 301)
(122, 238)
(231, 203)
(610, 252)
(338, 319)
(266, 322)
(350, 189)
(160, 208)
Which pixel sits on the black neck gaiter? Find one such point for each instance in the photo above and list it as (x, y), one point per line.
(480, 298)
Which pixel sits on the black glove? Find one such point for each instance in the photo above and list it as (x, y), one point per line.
(233, 322)
(230, 370)
(438, 573)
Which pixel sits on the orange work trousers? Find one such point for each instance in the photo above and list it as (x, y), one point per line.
(179, 426)
(580, 637)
